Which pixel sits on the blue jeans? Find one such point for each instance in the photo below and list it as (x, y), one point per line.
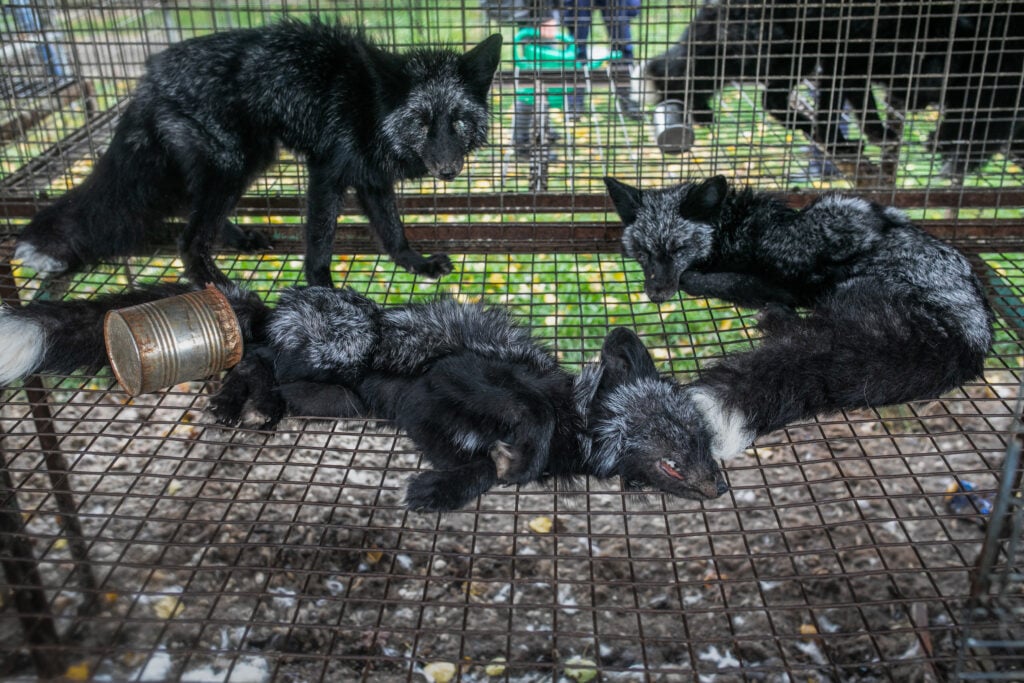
(616, 15)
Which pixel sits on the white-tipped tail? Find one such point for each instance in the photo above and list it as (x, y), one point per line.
(43, 264)
(22, 346)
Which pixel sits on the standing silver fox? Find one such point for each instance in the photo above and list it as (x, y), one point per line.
(893, 315)
(210, 114)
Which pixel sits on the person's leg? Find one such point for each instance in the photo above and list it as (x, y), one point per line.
(617, 15)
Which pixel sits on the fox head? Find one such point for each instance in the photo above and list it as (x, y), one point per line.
(668, 231)
(443, 116)
(646, 429)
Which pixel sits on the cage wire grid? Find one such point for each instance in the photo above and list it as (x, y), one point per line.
(169, 548)
(216, 553)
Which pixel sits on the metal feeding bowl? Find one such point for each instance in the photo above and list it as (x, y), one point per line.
(162, 343)
(672, 133)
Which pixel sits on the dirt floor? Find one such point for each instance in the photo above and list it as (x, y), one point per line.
(231, 555)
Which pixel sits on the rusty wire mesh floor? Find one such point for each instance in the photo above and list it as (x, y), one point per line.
(221, 554)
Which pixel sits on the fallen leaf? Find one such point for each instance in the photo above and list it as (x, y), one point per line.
(541, 525)
(77, 672)
(439, 672)
(496, 667)
(168, 607)
(580, 669)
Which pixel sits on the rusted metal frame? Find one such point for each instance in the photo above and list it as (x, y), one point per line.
(57, 470)
(21, 205)
(580, 238)
(21, 570)
(64, 94)
(56, 465)
(1004, 522)
(28, 183)
(978, 605)
(19, 563)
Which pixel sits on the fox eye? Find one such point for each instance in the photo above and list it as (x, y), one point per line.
(424, 121)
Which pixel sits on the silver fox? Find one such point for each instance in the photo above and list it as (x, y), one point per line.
(893, 314)
(483, 401)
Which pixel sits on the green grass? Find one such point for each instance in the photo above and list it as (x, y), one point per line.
(570, 300)
(744, 142)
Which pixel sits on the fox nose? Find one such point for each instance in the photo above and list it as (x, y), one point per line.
(659, 293)
(721, 486)
(446, 170)
(713, 488)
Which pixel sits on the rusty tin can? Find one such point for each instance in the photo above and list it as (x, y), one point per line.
(173, 340)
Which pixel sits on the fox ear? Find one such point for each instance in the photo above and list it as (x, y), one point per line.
(625, 197)
(705, 200)
(625, 358)
(478, 65)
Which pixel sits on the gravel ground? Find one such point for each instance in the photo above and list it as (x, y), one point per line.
(233, 555)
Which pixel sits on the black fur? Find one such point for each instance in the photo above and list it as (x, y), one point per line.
(485, 403)
(59, 337)
(894, 314)
(210, 113)
(965, 58)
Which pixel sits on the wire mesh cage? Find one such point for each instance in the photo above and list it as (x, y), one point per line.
(142, 542)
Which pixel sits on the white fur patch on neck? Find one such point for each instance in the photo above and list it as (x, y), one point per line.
(729, 426)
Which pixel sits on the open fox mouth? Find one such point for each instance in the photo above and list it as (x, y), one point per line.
(669, 468)
(685, 489)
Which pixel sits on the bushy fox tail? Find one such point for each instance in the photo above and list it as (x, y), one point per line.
(119, 206)
(853, 353)
(60, 337)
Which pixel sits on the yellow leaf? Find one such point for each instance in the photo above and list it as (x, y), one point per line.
(168, 607)
(77, 672)
(373, 556)
(541, 525)
(808, 630)
(60, 544)
(496, 667)
(580, 669)
(439, 672)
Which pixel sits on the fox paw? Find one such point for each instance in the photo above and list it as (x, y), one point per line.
(439, 491)
(234, 407)
(432, 266)
(775, 318)
(506, 460)
(512, 466)
(226, 407)
(252, 240)
(434, 491)
(243, 239)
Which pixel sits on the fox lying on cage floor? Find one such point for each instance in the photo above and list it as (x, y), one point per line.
(894, 314)
(484, 402)
(209, 114)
